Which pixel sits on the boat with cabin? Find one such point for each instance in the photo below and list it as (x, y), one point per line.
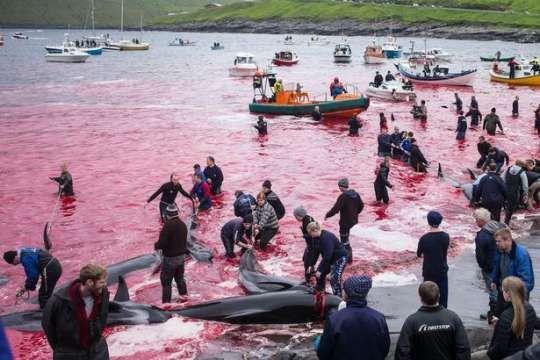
(436, 76)
(373, 54)
(285, 58)
(391, 49)
(393, 90)
(525, 75)
(68, 55)
(244, 65)
(342, 53)
(87, 46)
(292, 100)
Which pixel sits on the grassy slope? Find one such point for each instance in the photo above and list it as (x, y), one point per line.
(327, 10)
(76, 13)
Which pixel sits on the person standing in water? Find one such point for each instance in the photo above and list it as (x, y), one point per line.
(491, 122)
(458, 103)
(515, 107)
(261, 126)
(537, 120)
(354, 125)
(65, 181)
(214, 175)
(381, 181)
(461, 126)
(168, 192)
(476, 116)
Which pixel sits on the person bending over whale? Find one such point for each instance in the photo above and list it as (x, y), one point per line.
(37, 263)
(168, 192)
(236, 232)
(300, 214)
(333, 257)
(65, 181)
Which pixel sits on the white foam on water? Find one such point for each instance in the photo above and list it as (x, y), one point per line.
(143, 338)
(392, 279)
(275, 266)
(387, 240)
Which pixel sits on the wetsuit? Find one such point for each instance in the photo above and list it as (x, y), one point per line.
(215, 174)
(333, 261)
(517, 185)
(233, 233)
(515, 108)
(262, 127)
(476, 116)
(461, 128)
(396, 141)
(349, 204)
(499, 157)
(202, 192)
(459, 104)
(483, 150)
(168, 192)
(381, 182)
(354, 126)
(65, 183)
(316, 115)
(38, 263)
(389, 77)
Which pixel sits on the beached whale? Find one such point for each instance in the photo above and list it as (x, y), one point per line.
(466, 187)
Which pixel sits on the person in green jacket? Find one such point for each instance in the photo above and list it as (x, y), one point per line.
(491, 122)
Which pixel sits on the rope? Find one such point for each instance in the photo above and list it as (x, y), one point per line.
(54, 212)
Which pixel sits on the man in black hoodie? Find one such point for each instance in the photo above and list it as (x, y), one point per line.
(491, 192)
(349, 204)
(168, 192)
(433, 332)
(273, 199)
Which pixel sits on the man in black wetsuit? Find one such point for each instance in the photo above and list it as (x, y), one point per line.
(261, 126)
(475, 114)
(458, 103)
(214, 175)
(65, 181)
(515, 107)
(168, 192)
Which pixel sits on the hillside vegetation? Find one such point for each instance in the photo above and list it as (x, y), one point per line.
(76, 13)
(506, 13)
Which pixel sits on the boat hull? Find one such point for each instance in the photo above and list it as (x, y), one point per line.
(533, 80)
(61, 58)
(342, 59)
(392, 54)
(242, 72)
(374, 59)
(492, 59)
(386, 94)
(280, 62)
(461, 79)
(60, 49)
(217, 47)
(329, 109)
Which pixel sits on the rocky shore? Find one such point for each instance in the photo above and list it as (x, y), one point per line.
(352, 28)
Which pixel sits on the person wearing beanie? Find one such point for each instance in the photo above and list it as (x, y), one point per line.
(301, 215)
(65, 181)
(237, 232)
(214, 175)
(358, 331)
(433, 247)
(273, 199)
(349, 204)
(432, 332)
(173, 244)
(168, 192)
(333, 257)
(37, 263)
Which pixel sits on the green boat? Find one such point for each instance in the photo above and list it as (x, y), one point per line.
(499, 59)
(296, 102)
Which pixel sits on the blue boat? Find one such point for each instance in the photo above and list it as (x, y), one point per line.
(60, 49)
(391, 49)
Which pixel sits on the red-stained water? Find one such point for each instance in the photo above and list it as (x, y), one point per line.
(125, 121)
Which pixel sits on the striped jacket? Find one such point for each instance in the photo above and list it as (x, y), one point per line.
(265, 216)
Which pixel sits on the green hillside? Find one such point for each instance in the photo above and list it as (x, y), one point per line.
(504, 13)
(76, 13)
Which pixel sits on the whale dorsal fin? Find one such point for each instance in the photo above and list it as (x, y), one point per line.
(122, 293)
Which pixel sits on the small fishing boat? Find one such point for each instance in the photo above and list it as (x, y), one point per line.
(292, 100)
(392, 90)
(498, 57)
(288, 40)
(318, 41)
(217, 46)
(373, 54)
(67, 56)
(181, 42)
(285, 58)
(128, 45)
(441, 77)
(244, 65)
(391, 49)
(20, 36)
(524, 78)
(342, 53)
(87, 46)
(1, 40)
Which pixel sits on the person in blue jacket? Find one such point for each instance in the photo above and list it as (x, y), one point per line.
(36, 263)
(358, 331)
(5, 350)
(244, 203)
(333, 257)
(511, 259)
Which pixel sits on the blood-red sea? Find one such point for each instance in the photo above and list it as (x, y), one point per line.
(124, 121)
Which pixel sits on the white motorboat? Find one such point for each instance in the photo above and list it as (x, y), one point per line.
(87, 46)
(69, 55)
(244, 66)
(391, 90)
(318, 41)
(374, 54)
(20, 36)
(181, 42)
(440, 55)
(342, 53)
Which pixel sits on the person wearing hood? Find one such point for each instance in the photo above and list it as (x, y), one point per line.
(244, 203)
(357, 329)
(458, 103)
(485, 249)
(236, 232)
(517, 188)
(273, 199)
(301, 215)
(491, 192)
(461, 126)
(476, 116)
(168, 192)
(417, 159)
(433, 247)
(349, 204)
(265, 221)
(261, 126)
(433, 332)
(483, 149)
(498, 156)
(333, 258)
(65, 181)
(491, 121)
(381, 181)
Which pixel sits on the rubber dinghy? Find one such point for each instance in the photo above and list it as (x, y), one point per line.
(255, 281)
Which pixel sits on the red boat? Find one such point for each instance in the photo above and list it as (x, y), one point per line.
(285, 58)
